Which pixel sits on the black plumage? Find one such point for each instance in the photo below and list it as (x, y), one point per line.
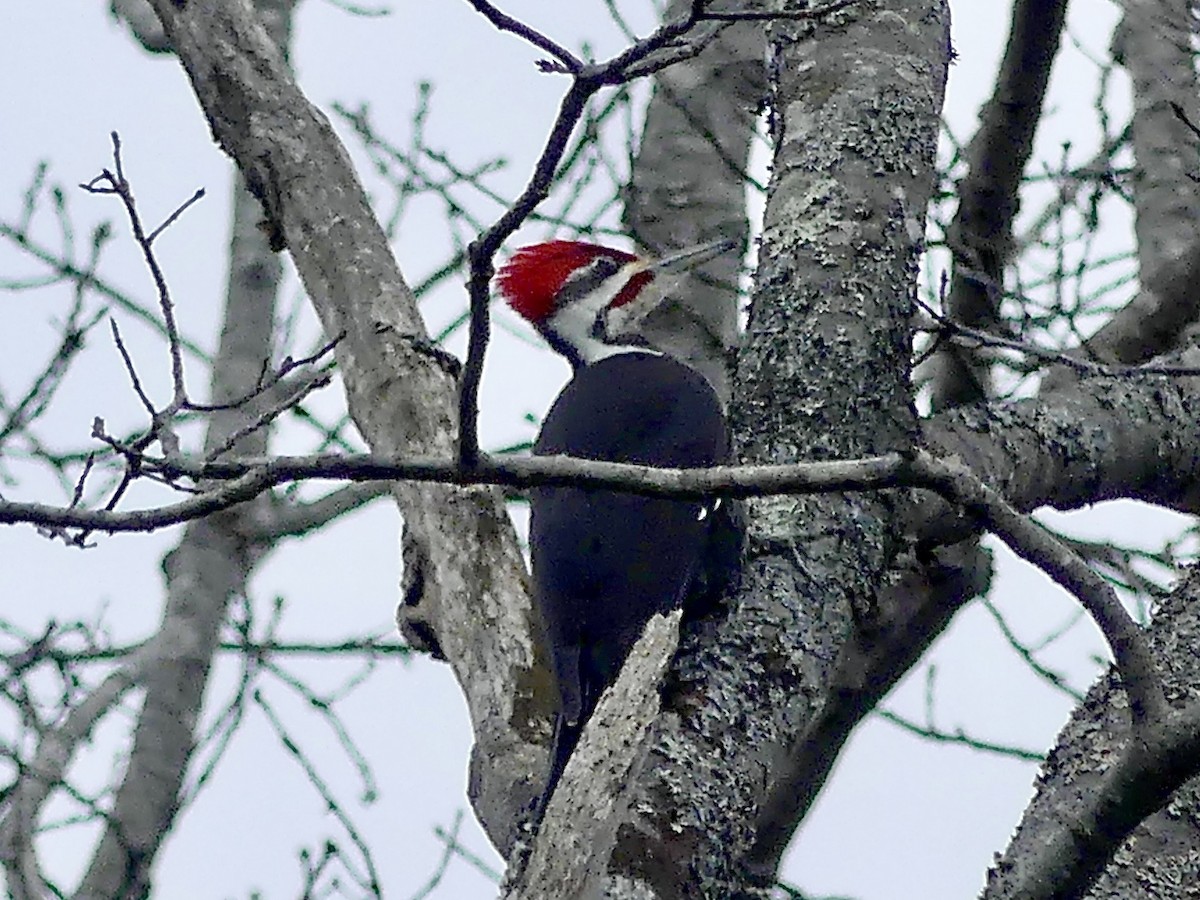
(604, 562)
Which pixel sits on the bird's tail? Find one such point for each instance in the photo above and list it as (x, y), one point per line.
(562, 745)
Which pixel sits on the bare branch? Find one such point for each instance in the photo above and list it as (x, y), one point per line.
(371, 883)
(569, 63)
(147, 404)
(483, 249)
(400, 390)
(1035, 545)
(981, 234)
(66, 269)
(170, 220)
(1027, 655)
(44, 773)
(975, 338)
(587, 80)
(287, 396)
(817, 12)
(296, 520)
(958, 736)
(1105, 781)
(950, 479)
(108, 183)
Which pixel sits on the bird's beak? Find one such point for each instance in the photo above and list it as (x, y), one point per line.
(626, 319)
(690, 258)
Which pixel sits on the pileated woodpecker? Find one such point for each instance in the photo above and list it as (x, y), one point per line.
(603, 561)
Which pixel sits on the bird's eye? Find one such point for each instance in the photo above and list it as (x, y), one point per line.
(605, 266)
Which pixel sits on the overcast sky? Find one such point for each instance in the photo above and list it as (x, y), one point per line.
(900, 819)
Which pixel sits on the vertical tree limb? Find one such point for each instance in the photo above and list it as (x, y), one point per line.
(824, 375)
(689, 186)
(210, 567)
(1153, 43)
(981, 233)
(402, 392)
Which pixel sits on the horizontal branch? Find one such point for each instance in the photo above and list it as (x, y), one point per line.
(951, 479)
(775, 15)
(245, 479)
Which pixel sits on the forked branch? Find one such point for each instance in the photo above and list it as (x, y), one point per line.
(644, 57)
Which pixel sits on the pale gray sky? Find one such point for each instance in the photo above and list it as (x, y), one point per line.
(900, 819)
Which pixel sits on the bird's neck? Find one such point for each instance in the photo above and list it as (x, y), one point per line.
(579, 331)
(584, 351)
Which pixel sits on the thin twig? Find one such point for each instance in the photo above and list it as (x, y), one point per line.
(333, 805)
(1034, 544)
(1056, 357)
(109, 183)
(54, 753)
(67, 270)
(1027, 654)
(569, 61)
(77, 494)
(452, 844)
(586, 82)
(288, 400)
(175, 215)
(129, 367)
(949, 478)
(781, 15)
(443, 865)
(958, 736)
(483, 249)
(267, 381)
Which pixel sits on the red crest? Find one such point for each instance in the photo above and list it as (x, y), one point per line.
(534, 275)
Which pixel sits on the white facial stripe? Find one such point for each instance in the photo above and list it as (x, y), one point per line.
(574, 320)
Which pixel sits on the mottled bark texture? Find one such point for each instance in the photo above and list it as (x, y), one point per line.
(401, 391)
(141, 19)
(689, 186)
(924, 589)
(1154, 44)
(1099, 439)
(824, 374)
(980, 237)
(826, 368)
(837, 598)
(1161, 859)
(578, 831)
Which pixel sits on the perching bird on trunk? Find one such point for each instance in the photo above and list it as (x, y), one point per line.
(604, 562)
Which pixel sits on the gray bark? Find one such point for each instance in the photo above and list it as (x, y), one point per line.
(824, 374)
(1065, 450)
(210, 567)
(1099, 439)
(834, 604)
(401, 390)
(1161, 859)
(1153, 43)
(142, 22)
(689, 186)
(981, 234)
